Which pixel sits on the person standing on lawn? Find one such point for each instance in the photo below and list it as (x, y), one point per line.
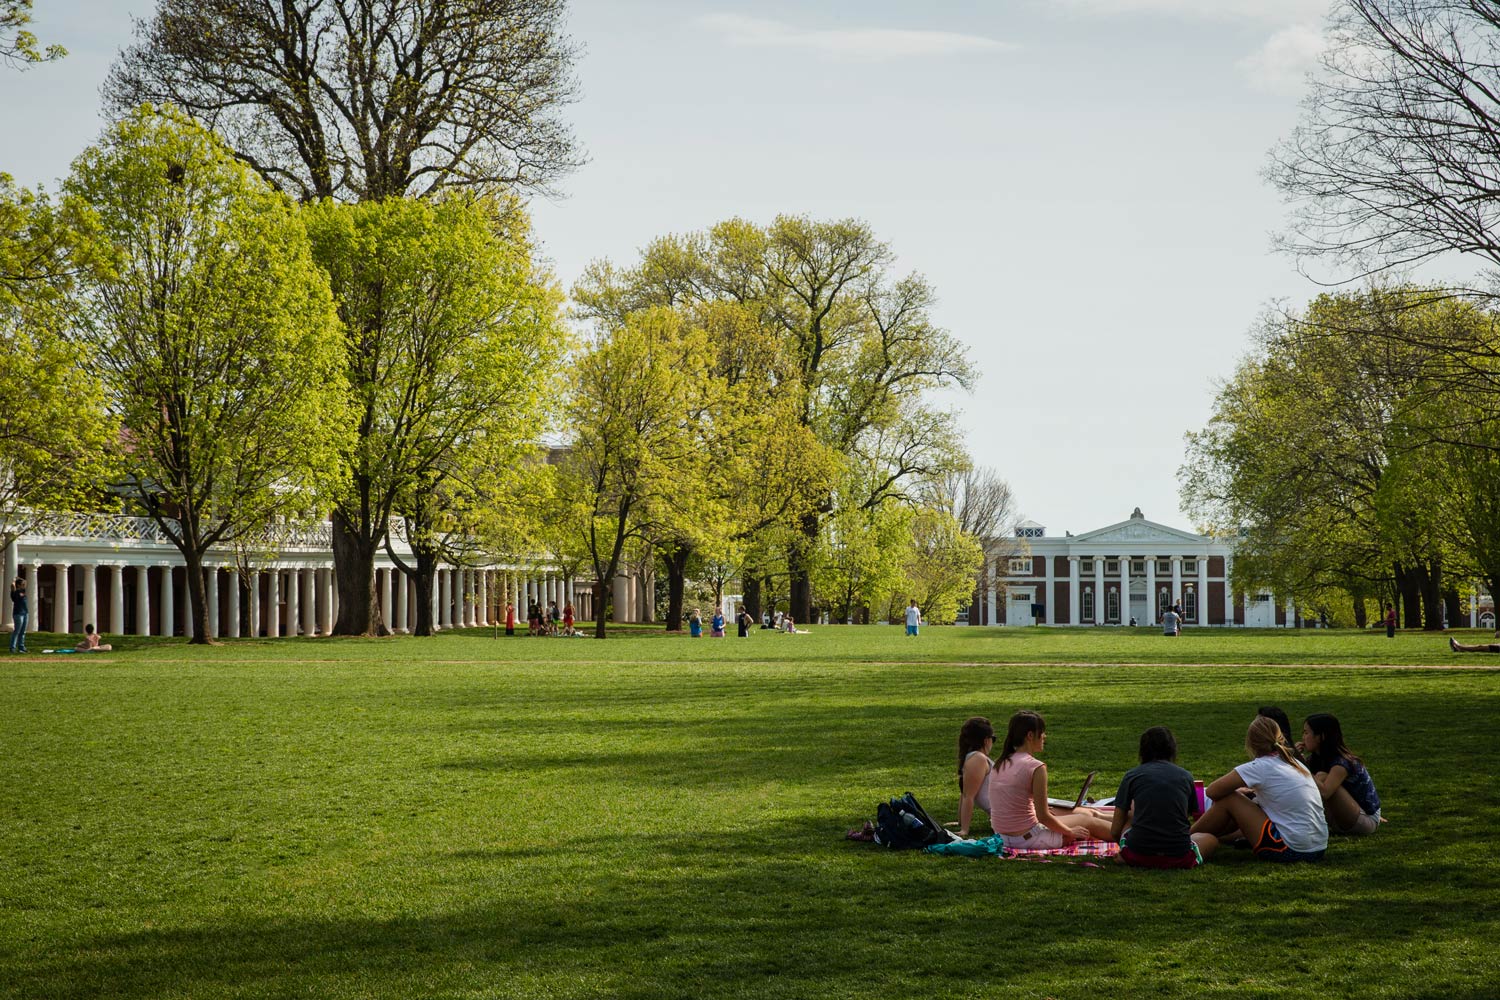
(19, 614)
(913, 617)
(1171, 623)
(510, 618)
(568, 619)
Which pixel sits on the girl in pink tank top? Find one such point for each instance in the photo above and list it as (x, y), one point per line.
(1018, 793)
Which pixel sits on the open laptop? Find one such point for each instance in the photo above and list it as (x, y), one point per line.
(1083, 794)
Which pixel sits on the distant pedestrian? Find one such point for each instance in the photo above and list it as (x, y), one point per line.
(717, 623)
(1171, 623)
(744, 621)
(1390, 622)
(20, 614)
(510, 618)
(568, 619)
(695, 624)
(913, 617)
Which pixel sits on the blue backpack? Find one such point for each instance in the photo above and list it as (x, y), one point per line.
(902, 825)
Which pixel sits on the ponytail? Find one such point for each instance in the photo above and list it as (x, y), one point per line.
(971, 737)
(1264, 739)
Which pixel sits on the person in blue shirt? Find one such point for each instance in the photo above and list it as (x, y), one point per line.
(19, 613)
(1350, 801)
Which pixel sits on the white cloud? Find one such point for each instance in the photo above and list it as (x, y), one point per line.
(849, 43)
(1281, 65)
(1278, 12)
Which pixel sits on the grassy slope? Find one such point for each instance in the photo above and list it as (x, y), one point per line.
(660, 817)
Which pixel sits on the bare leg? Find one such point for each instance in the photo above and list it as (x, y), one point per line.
(1459, 647)
(1232, 814)
(1340, 808)
(1207, 843)
(1088, 823)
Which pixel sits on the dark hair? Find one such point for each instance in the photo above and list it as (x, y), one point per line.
(1158, 743)
(1331, 745)
(87, 629)
(971, 737)
(1022, 725)
(1272, 712)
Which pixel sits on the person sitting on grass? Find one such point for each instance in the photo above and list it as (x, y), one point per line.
(91, 644)
(975, 740)
(1350, 803)
(1019, 811)
(1284, 821)
(1482, 647)
(1156, 800)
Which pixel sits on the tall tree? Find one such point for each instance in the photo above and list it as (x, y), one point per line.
(55, 432)
(635, 404)
(861, 353)
(18, 46)
(214, 332)
(449, 329)
(1394, 161)
(366, 99)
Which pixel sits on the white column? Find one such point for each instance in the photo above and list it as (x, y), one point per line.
(621, 599)
(411, 604)
(484, 598)
(1228, 592)
(1049, 609)
(273, 604)
(187, 605)
(1291, 613)
(1176, 594)
(1474, 608)
(992, 572)
(168, 603)
(1124, 590)
(293, 602)
(117, 599)
(90, 596)
(435, 599)
(1100, 605)
(333, 596)
(143, 600)
(1202, 603)
(232, 626)
(1150, 590)
(211, 596)
(309, 601)
(466, 597)
(326, 624)
(34, 597)
(398, 620)
(1075, 589)
(12, 570)
(387, 598)
(252, 587)
(63, 604)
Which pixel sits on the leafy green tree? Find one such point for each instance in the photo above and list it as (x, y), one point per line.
(635, 403)
(18, 46)
(450, 333)
(941, 566)
(858, 353)
(361, 100)
(214, 333)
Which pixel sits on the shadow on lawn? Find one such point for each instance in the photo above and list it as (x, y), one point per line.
(722, 914)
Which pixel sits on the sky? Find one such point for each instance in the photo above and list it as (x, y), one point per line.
(1080, 180)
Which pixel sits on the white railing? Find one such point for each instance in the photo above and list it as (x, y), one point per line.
(123, 528)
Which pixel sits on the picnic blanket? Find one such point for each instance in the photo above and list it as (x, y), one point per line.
(995, 846)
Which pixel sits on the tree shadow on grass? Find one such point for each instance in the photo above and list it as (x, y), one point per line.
(779, 910)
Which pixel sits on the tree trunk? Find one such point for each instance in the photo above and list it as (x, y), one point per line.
(676, 563)
(1410, 597)
(197, 596)
(1361, 613)
(799, 559)
(426, 579)
(354, 566)
(752, 595)
(601, 607)
(1430, 582)
(1453, 605)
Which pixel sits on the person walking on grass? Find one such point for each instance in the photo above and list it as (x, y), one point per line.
(19, 614)
(913, 617)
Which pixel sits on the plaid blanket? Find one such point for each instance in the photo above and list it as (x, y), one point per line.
(1077, 849)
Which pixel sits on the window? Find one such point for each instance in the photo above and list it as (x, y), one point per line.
(1163, 567)
(1085, 565)
(1031, 532)
(1163, 601)
(1137, 567)
(1111, 566)
(1020, 567)
(1112, 605)
(1087, 613)
(1190, 605)
(1190, 565)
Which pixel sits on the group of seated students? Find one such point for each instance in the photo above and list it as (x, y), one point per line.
(1283, 802)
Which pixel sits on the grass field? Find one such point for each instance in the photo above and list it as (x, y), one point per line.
(656, 816)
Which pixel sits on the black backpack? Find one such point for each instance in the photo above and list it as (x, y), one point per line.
(902, 824)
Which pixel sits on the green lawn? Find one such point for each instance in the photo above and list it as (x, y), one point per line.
(661, 817)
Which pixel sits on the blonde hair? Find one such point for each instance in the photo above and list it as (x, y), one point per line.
(1264, 739)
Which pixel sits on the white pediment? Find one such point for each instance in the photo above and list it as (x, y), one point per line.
(1140, 530)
